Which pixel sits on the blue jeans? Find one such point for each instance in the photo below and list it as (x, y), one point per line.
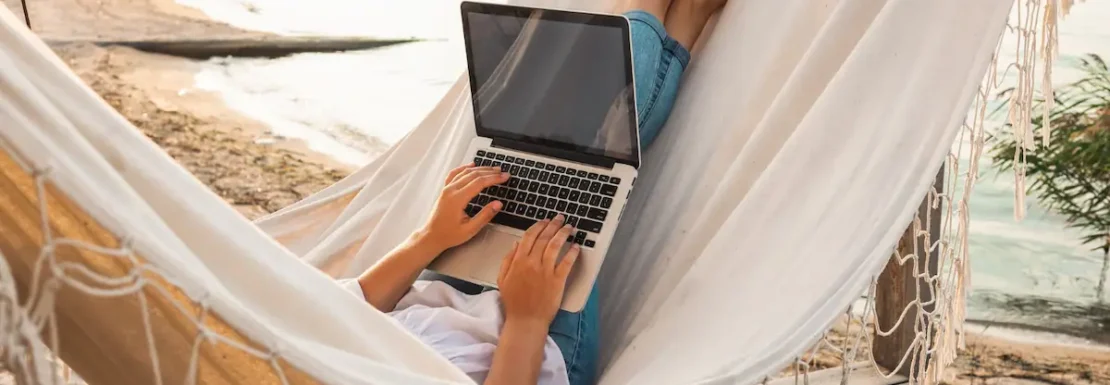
(659, 62)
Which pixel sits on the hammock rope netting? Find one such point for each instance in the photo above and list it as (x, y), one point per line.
(73, 292)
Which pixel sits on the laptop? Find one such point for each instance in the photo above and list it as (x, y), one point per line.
(554, 105)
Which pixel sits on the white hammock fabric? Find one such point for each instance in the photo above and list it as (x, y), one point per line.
(802, 142)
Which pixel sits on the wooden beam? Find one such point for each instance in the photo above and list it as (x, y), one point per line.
(899, 286)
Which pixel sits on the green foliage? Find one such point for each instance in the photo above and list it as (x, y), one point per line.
(1072, 174)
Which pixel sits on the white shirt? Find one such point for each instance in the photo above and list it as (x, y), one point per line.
(462, 328)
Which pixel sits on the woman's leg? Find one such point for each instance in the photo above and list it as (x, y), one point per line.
(659, 61)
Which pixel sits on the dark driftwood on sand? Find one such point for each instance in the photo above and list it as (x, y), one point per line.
(253, 48)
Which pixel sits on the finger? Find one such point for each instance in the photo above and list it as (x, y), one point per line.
(481, 183)
(562, 270)
(529, 239)
(548, 232)
(507, 263)
(555, 246)
(456, 171)
(473, 225)
(469, 175)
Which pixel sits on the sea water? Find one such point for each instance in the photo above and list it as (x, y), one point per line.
(353, 105)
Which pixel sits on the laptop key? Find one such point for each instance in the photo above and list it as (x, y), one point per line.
(560, 169)
(603, 178)
(584, 186)
(515, 170)
(513, 182)
(510, 207)
(550, 167)
(551, 203)
(574, 195)
(595, 200)
(572, 208)
(533, 173)
(541, 165)
(582, 210)
(533, 186)
(597, 214)
(513, 221)
(584, 199)
(499, 157)
(531, 212)
(564, 180)
(543, 189)
(589, 243)
(482, 200)
(580, 237)
(595, 187)
(606, 202)
(574, 182)
(541, 201)
(571, 171)
(589, 225)
(551, 214)
(520, 161)
(572, 221)
(582, 173)
(478, 161)
(609, 189)
(541, 214)
(504, 167)
(564, 193)
(615, 180)
(530, 163)
(510, 195)
(472, 210)
(530, 199)
(485, 163)
(510, 159)
(592, 176)
(561, 206)
(553, 192)
(520, 209)
(481, 153)
(553, 178)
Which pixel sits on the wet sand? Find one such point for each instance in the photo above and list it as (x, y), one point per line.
(258, 173)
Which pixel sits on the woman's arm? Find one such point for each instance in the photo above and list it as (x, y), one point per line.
(531, 281)
(387, 281)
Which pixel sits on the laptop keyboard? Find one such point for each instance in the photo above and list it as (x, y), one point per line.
(536, 191)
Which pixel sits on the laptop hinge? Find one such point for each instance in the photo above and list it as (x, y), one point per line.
(573, 156)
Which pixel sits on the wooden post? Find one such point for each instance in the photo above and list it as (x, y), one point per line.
(897, 288)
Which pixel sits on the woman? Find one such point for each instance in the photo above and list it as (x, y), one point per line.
(518, 335)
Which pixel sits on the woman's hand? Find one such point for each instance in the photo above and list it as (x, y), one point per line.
(449, 225)
(532, 277)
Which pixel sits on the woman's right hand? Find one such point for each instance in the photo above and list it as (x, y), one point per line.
(532, 277)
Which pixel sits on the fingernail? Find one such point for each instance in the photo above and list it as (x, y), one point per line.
(496, 205)
(504, 175)
(559, 217)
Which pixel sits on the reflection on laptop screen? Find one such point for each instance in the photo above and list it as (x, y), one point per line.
(561, 82)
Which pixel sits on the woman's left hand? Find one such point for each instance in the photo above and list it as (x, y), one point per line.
(449, 225)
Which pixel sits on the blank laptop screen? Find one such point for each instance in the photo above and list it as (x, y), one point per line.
(553, 78)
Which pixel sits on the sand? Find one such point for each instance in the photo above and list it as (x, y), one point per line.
(240, 160)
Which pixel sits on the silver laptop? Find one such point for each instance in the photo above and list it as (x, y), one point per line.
(554, 105)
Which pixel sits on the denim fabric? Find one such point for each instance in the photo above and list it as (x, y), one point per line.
(658, 62)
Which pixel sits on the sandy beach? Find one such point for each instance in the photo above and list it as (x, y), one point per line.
(259, 173)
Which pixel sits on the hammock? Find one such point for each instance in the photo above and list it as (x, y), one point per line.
(799, 149)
